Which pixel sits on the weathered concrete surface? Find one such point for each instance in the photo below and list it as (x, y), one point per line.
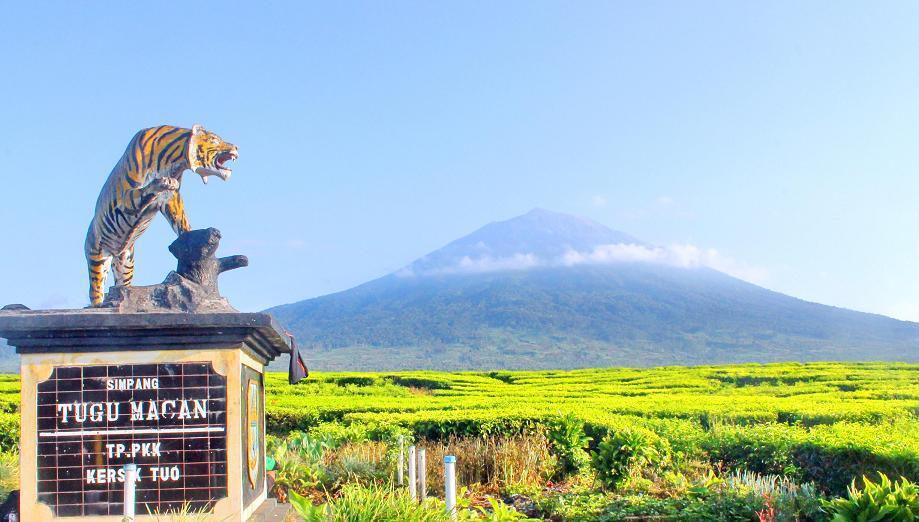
(105, 329)
(192, 287)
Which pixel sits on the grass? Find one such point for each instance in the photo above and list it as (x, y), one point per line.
(495, 462)
(368, 504)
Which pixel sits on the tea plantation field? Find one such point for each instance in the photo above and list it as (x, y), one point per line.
(741, 442)
(821, 422)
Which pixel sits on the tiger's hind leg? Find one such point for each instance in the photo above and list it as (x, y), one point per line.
(98, 264)
(124, 268)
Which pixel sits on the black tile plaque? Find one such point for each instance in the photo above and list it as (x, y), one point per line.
(169, 419)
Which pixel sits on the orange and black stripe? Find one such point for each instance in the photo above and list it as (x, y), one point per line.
(145, 181)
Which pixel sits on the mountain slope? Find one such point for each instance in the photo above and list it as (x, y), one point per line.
(547, 290)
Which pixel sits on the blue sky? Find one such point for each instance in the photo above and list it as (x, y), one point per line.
(784, 135)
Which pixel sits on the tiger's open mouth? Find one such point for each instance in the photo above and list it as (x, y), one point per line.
(221, 160)
(220, 168)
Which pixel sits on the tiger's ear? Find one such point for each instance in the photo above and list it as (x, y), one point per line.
(194, 162)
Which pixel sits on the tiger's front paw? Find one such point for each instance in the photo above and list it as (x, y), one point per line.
(164, 184)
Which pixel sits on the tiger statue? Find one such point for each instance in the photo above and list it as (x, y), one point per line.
(146, 180)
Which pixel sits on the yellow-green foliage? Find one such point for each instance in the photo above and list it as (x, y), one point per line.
(9, 472)
(824, 422)
(821, 422)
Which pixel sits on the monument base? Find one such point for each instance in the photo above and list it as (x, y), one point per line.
(179, 395)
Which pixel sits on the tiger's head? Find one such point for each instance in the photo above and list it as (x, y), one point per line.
(208, 154)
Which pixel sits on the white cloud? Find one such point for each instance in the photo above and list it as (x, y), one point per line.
(665, 201)
(468, 265)
(728, 265)
(618, 253)
(599, 200)
(677, 255)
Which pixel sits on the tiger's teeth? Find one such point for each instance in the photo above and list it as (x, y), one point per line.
(204, 179)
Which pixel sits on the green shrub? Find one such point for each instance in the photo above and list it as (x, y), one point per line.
(829, 456)
(574, 506)
(835, 465)
(298, 463)
(292, 474)
(763, 449)
(9, 431)
(882, 501)
(722, 506)
(281, 421)
(638, 507)
(569, 442)
(418, 382)
(355, 381)
(623, 455)
(714, 506)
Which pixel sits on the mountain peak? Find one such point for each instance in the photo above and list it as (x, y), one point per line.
(599, 298)
(537, 211)
(521, 242)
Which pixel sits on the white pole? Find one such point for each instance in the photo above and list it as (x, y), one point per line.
(450, 484)
(422, 475)
(401, 459)
(130, 484)
(412, 476)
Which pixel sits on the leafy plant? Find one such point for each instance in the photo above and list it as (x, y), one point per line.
(882, 501)
(350, 468)
(569, 442)
(370, 504)
(293, 475)
(622, 455)
(722, 506)
(786, 501)
(298, 464)
(9, 472)
(500, 512)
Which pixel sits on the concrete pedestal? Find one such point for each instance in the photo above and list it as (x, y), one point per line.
(179, 395)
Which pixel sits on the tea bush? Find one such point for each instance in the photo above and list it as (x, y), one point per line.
(569, 444)
(623, 455)
(820, 423)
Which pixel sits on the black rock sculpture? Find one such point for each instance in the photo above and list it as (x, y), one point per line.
(192, 287)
